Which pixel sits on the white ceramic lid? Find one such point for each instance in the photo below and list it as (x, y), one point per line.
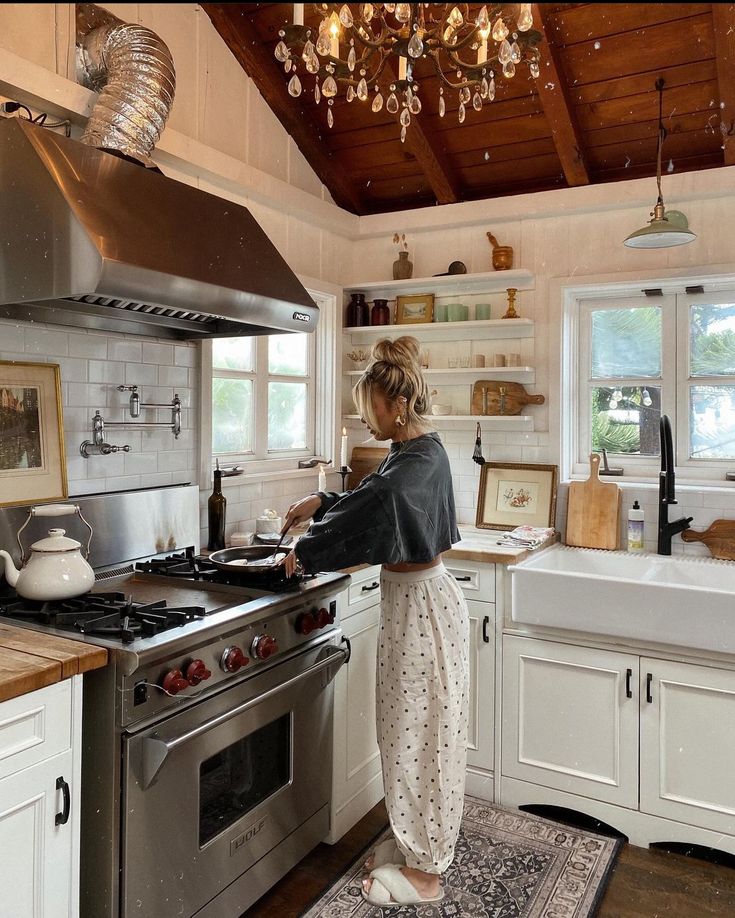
(56, 541)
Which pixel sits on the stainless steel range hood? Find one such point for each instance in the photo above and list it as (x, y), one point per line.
(89, 239)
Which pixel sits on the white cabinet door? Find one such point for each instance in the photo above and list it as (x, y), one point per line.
(481, 730)
(570, 719)
(357, 780)
(37, 854)
(688, 743)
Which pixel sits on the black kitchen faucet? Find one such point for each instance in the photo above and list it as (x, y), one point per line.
(666, 491)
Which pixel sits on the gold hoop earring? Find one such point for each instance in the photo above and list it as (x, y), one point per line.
(400, 421)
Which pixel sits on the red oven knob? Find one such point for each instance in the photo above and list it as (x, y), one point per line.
(174, 682)
(306, 623)
(197, 672)
(264, 646)
(233, 659)
(322, 618)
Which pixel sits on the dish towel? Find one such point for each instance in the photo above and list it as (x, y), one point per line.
(526, 537)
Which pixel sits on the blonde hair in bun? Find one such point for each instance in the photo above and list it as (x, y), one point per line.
(395, 370)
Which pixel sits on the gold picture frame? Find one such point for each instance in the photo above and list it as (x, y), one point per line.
(32, 459)
(516, 494)
(413, 310)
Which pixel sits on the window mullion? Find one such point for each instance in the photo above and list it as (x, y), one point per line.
(260, 434)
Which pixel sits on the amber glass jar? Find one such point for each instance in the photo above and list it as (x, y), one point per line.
(380, 314)
(357, 311)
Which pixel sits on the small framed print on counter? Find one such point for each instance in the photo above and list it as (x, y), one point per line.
(411, 310)
(32, 461)
(516, 494)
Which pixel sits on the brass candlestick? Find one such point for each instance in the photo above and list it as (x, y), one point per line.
(510, 312)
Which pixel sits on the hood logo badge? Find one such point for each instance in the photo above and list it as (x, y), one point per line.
(302, 317)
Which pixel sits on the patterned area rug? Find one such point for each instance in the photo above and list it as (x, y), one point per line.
(507, 864)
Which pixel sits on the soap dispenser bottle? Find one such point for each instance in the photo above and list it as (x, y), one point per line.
(635, 527)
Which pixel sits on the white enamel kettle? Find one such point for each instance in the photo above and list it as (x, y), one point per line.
(55, 568)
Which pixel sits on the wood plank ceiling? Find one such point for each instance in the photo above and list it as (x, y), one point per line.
(591, 117)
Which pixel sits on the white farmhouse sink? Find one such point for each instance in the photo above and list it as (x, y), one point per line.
(687, 602)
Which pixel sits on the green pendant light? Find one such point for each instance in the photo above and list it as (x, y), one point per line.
(664, 230)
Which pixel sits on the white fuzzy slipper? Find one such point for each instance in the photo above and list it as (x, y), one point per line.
(390, 887)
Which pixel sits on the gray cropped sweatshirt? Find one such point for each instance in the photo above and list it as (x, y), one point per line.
(403, 512)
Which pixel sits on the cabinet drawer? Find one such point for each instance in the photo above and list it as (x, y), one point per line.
(35, 726)
(364, 591)
(477, 580)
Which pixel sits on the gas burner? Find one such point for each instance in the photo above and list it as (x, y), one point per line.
(182, 564)
(109, 615)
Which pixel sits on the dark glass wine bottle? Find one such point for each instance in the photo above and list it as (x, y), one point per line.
(217, 505)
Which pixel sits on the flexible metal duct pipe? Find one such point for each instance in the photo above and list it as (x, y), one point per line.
(132, 69)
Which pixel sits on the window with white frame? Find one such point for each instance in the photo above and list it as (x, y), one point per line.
(263, 403)
(641, 357)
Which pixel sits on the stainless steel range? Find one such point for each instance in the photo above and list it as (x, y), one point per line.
(207, 741)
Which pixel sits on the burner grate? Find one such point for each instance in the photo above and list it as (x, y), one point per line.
(104, 614)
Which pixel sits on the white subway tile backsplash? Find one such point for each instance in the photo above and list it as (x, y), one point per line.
(160, 354)
(123, 483)
(44, 341)
(142, 463)
(158, 480)
(94, 395)
(125, 351)
(173, 376)
(12, 337)
(106, 371)
(141, 374)
(87, 345)
(72, 369)
(186, 356)
(88, 486)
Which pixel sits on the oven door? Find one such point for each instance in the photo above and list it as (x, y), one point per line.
(211, 790)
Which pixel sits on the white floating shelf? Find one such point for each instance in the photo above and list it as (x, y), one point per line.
(448, 285)
(517, 422)
(459, 375)
(447, 331)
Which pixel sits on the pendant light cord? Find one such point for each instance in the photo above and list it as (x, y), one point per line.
(661, 135)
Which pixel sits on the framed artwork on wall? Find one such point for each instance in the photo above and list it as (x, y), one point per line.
(32, 460)
(411, 310)
(516, 494)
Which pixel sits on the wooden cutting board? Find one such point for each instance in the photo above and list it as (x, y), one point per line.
(719, 538)
(363, 461)
(495, 397)
(593, 511)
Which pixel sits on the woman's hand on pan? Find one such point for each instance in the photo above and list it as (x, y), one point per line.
(290, 563)
(302, 510)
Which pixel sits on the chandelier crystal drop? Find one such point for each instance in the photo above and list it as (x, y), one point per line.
(351, 49)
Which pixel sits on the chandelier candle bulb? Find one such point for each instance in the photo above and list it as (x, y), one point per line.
(298, 14)
(402, 67)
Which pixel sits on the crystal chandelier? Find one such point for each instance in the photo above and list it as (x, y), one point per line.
(354, 44)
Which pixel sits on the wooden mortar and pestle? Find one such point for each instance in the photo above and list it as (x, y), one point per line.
(502, 254)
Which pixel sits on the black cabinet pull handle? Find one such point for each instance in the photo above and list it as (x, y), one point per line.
(628, 677)
(485, 623)
(63, 817)
(373, 586)
(462, 579)
(649, 696)
(346, 640)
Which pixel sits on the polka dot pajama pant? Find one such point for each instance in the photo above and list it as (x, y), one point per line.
(422, 711)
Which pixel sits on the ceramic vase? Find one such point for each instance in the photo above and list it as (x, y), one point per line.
(402, 268)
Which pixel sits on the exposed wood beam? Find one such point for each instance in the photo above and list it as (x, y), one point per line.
(236, 30)
(424, 146)
(723, 20)
(555, 103)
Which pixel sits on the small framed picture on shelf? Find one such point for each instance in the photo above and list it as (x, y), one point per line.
(516, 494)
(411, 310)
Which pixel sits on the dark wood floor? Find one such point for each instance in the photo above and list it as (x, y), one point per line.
(646, 883)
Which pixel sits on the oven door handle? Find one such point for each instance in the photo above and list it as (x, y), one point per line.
(156, 751)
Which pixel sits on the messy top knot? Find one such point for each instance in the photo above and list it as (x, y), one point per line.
(395, 370)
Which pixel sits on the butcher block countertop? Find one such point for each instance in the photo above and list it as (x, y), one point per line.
(479, 545)
(482, 545)
(30, 660)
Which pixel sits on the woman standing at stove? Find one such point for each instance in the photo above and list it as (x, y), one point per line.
(403, 517)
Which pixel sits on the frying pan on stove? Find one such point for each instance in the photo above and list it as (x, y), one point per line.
(251, 559)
